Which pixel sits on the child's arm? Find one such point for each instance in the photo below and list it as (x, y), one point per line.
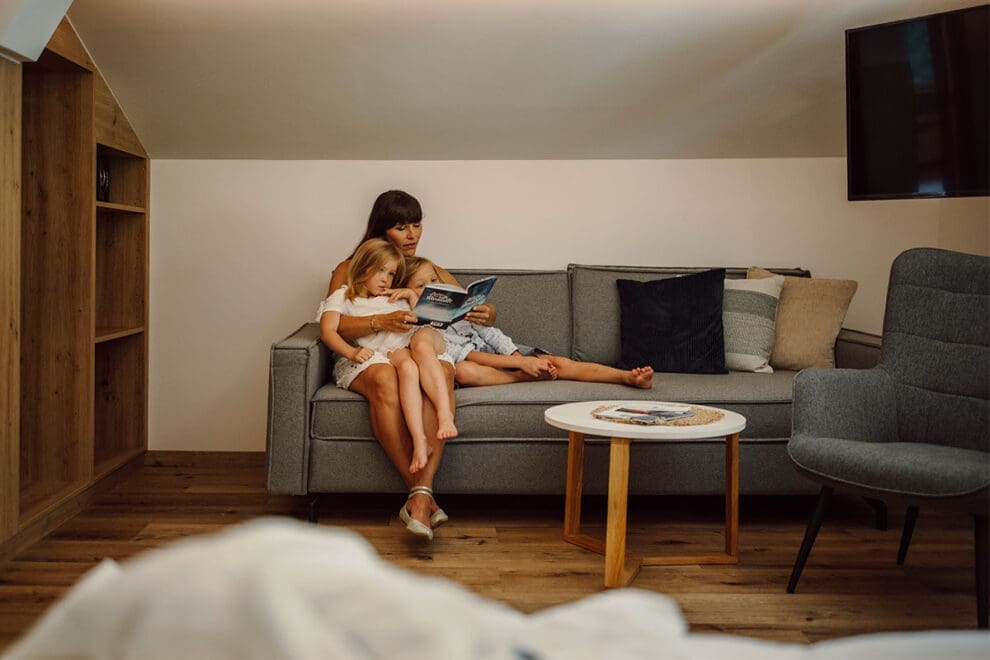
(394, 295)
(336, 343)
(533, 366)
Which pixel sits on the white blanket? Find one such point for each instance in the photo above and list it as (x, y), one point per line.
(277, 588)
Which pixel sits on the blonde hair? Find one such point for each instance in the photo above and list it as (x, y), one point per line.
(413, 264)
(367, 259)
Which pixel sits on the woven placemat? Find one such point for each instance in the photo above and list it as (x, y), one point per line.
(701, 416)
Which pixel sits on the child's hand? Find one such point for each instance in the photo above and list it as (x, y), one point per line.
(537, 367)
(403, 294)
(362, 355)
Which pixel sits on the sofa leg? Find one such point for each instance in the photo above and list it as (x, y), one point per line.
(910, 518)
(821, 508)
(982, 542)
(880, 511)
(314, 509)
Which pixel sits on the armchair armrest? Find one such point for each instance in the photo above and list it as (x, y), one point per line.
(852, 404)
(299, 365)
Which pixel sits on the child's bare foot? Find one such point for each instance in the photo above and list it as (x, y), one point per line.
(641, 377)
(421, 453)
(446, 428)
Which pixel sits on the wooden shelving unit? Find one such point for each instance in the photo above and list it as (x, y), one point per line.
(83, 289)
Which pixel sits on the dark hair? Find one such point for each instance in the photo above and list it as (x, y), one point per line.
(393, 207)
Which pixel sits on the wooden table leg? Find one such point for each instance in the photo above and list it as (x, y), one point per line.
(732, 495)
(616, 574)
(575, 477)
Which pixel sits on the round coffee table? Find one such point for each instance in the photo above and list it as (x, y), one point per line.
(577, 420)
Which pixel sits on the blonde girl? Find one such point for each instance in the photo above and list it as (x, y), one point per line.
(415, 353)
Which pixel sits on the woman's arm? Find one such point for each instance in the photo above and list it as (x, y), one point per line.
(481, 314)
(336, 343)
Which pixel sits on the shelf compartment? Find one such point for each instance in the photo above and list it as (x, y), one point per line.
(121, 264)
(56, 400)
(120, 398)
(110, 334)
(128, 176)
(125, 208)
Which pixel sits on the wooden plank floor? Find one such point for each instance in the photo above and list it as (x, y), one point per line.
(510, 549)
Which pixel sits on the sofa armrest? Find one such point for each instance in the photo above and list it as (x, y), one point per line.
(851, 404)
(856, 350)
(299, 365)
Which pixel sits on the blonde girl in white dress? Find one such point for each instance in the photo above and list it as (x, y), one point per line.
(415, 353)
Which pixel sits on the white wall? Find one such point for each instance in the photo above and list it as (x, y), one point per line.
(241, 250)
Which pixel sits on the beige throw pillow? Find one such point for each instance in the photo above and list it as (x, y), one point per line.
(809, 316)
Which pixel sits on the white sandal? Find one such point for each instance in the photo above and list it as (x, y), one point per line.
(438, 518)
(415, 527)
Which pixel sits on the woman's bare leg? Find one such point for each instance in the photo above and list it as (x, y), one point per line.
(411, 398)
(379, 384)
(592, 372)
(426, 345)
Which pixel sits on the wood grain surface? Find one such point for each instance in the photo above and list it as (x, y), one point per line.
(511, 549)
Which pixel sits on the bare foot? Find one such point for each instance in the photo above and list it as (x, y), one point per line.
(641, 377)
(446, 428)
(421, 453)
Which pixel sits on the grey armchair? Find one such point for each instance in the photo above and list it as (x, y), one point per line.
(913, 430)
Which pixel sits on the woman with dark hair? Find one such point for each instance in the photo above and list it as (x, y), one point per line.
(398, 218)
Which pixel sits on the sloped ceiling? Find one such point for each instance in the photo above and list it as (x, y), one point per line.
(482, 79)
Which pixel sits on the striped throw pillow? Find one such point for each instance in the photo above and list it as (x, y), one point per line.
(748, 311)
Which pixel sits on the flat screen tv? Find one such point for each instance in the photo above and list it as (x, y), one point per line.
(917, 113)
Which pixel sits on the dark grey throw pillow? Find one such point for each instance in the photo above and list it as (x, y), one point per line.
(674, 324)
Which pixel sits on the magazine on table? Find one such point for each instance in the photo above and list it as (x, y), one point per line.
(643, 413)
(442, 304)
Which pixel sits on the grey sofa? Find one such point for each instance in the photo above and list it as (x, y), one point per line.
(320, 439)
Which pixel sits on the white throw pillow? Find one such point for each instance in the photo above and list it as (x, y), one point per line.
(748, 311)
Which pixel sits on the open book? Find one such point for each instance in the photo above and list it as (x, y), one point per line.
(643, 413)
(442, 304)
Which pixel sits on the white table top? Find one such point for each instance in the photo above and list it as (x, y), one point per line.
(577, 417)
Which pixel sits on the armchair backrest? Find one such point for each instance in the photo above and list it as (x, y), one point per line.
(936, 347)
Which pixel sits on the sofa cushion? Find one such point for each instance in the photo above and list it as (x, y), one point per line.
(515, 412)
(748, 311)
(809, 318)
(533, 307)
(595, 300)
(673, 324)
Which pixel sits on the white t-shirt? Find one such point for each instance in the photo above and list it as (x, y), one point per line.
(383, 341)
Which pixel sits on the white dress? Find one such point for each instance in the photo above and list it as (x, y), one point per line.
(382, 343)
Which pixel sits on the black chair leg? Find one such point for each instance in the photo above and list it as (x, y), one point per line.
(314, 509)
(821, 508)
(982, 543)
(880, 511)
(910, 518)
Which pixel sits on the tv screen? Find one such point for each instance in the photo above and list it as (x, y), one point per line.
(917, 113)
